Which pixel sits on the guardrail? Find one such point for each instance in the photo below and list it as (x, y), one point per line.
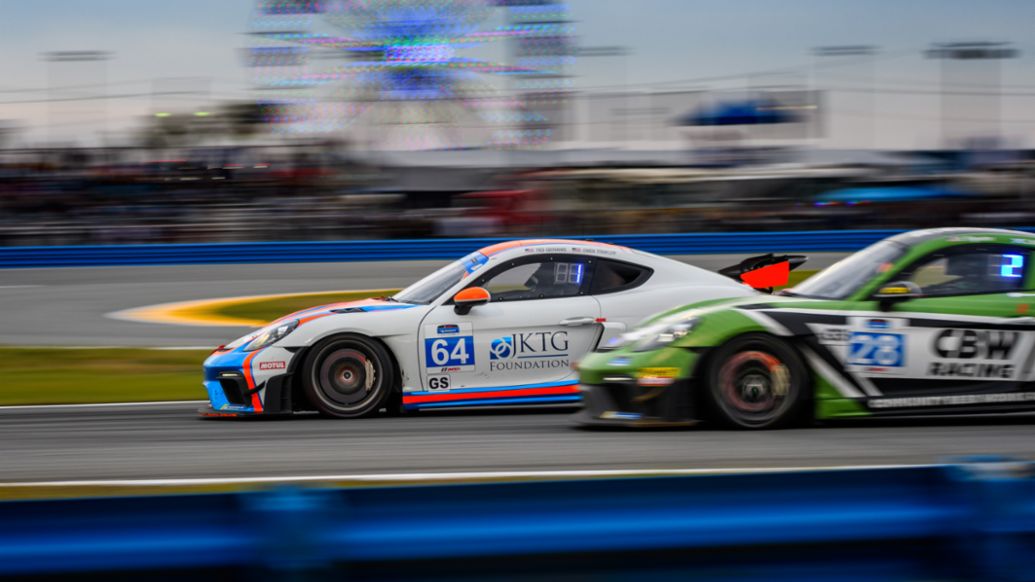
(965, 521)
(424, 249)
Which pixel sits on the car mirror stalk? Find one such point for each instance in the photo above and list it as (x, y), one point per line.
(888, 295)
(469, 298)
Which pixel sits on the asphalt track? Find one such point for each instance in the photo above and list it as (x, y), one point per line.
(72, 306)
(170, 442)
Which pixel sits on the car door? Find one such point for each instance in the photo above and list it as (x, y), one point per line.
(540, 320)
(970, 332)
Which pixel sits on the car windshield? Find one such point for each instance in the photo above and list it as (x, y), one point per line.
(849, 274)
(434, 285)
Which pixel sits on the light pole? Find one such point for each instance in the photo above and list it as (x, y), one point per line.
(864, 52)
(953, 55)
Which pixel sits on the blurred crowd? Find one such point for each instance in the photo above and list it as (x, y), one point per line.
(318, 192)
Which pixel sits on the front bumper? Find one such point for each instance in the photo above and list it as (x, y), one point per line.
(624, 403)
(638, 389)
(209, 412)
(248, 383)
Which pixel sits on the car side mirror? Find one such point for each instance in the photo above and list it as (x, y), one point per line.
(468, 298)
(896, 292)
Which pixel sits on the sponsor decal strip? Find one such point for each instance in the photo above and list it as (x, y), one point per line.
(511, 392)
(956, 400)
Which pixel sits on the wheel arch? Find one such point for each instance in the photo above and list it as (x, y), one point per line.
(797, 343)
(298, 395)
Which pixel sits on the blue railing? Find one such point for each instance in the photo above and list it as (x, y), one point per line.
(396, 250)
(966, 521)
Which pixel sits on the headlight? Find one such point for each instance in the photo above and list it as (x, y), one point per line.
(267, 336)
(661, 335)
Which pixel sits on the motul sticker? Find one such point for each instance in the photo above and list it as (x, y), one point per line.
(272, 365)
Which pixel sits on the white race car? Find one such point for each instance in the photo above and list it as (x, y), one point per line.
(501, 326)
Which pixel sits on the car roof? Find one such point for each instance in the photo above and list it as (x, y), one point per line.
(502, 247)
(915, 237)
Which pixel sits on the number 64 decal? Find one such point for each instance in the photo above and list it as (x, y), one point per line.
(448, 352)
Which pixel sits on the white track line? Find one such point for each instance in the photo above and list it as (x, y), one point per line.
(434, 477)
(100, 405)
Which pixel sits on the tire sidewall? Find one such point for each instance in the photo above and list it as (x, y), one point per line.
(384, 368)
(793, 407)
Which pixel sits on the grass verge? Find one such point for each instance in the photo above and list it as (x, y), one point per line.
(85, 375)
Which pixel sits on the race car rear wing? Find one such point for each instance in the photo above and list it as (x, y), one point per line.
(765, 272)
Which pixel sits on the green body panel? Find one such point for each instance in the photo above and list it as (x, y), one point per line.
(596, 366)
(719, 321)
(840, 407)
(718, 327)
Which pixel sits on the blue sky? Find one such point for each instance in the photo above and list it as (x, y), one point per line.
(670, 40)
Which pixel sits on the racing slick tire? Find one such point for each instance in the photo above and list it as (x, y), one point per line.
(348, 376)
(757, 381)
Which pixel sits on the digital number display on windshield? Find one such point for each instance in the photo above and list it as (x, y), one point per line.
(568, 273)
(1008, 266)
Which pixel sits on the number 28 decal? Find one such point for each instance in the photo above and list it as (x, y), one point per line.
(876, 349)
(448, 352)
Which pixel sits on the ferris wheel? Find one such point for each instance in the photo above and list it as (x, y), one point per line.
(414, 74)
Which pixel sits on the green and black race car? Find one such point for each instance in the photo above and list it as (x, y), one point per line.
(931, 321)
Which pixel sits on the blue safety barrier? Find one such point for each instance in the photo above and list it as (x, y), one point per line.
(422, 249)
(973, 520)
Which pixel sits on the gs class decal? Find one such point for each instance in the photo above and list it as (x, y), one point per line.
(438, 382)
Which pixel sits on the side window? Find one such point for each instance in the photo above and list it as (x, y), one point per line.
(612, 276)
(969, 271)
(543, 279)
